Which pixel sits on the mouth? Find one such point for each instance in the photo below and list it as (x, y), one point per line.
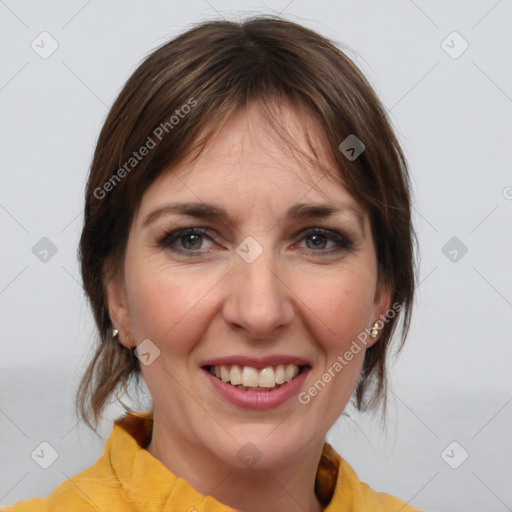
(248, 378)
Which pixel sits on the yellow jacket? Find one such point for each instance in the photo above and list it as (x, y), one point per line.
(127, 478)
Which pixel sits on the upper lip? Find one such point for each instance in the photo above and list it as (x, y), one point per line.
(257, 362)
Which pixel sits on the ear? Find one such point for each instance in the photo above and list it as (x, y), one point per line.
(381, 306)
(118, 309)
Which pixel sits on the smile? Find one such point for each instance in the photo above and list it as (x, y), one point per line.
(247, 378)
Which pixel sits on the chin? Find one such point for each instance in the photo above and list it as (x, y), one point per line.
(265, 446)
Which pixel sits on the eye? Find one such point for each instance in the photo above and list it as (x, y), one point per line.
(188, 240)
(318, 242)
(325, 241)
(192, 241)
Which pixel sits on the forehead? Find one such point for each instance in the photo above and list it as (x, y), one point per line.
(254, 158)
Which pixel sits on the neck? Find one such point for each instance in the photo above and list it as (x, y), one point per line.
(287, 488)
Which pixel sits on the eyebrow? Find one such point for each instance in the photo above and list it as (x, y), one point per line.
(296, 212)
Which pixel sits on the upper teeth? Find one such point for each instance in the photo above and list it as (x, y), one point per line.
(250, 377)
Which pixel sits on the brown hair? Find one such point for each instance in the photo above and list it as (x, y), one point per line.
(216, 68)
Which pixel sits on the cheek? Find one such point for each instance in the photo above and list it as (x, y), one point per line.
(167, 306)
(340, 307)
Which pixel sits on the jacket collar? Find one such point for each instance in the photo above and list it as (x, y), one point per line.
(132, 464)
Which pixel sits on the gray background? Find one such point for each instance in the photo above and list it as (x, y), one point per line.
(452, 112)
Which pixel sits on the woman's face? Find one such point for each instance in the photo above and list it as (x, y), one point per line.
(276, 270)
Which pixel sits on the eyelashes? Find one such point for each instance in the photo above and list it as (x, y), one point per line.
(191, 241)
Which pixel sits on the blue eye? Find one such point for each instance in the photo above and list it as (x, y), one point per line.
(317, 241)
(185, 240)
(193, 241)
(325, 240)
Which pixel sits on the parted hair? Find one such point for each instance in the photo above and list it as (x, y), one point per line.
(216, 68)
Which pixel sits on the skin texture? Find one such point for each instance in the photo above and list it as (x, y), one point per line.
(303, 296)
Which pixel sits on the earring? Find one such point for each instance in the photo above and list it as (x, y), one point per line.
(115, 333)
(374, 331)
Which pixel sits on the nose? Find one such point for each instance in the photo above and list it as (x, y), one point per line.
(259, 299)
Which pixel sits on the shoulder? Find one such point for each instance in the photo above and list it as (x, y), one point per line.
(96, 488)
(353, 495)
(369, 500)
(92, 489)
(60, 500)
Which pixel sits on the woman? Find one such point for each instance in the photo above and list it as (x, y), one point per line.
(247, 249)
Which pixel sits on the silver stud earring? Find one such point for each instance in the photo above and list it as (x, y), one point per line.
(115, 333)
(374, 331)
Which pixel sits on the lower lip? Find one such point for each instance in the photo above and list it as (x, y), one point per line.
(259, 399)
